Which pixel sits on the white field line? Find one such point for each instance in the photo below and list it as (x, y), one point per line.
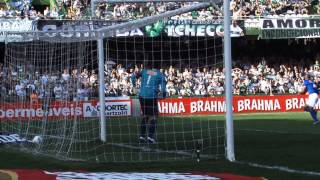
(239, 114)
(279, 168)
(264, 113)
(266, 131)
(273, 131)
(147, 149)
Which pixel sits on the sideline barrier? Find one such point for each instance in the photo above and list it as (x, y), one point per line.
(28, 174)
(167, 107)
(241, 104)
(59, 109)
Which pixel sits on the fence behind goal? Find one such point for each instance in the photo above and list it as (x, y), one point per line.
(50, 89)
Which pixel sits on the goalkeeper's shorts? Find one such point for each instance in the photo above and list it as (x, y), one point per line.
(149, 106)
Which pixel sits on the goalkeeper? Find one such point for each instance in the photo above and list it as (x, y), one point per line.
(312, 90)
(153, 87)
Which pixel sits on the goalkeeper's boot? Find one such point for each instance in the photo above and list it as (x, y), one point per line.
(151, 140)
(315, 122)
(142, 139)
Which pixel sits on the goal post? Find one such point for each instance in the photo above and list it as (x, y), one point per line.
(103, 133)
(228, 93)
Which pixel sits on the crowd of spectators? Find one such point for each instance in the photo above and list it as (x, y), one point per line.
(82, 84)
(273, 8)
(20, 83)
(240, 9)
(65, 9)
(129, 11)
(248, 79)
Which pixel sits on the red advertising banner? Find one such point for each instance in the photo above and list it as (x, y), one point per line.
(31, 174)
(25, 111)
(167, 107)
(59, 110)
(241, 104)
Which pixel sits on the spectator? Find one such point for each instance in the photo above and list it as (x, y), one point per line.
(34, 98)
(54, 13)
(65, 75)
(46, 12)
(2, 13)
(33, 13)
(21, 91)
(58, 91)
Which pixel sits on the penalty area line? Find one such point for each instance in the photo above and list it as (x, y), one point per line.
(148, 149)
(279, 168)
(273, 131)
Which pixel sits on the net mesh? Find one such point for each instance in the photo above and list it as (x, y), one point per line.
(50, 89)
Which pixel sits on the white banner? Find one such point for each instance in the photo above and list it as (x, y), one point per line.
(11, 138)
(12, 25)
(112, 108)
(284, 28)
(125, 176)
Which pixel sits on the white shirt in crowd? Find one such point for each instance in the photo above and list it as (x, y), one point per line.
(66, 76)
(20, 90)
(58, 90)
(54, 13)
(235, 31)
(46, 12)
(82, 94)
(2, 13)
(31, 86)
(33, 13)
(44, 79)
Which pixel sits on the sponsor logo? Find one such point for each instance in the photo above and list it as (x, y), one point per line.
(12, 138)
(115, 107)
(207, 106)
(122, 108)
(195, 30)
(125, 176)
(295, 27)
(190, 106)
(39, 112)
(14, 174)
(290, 23)
(258, 105)
(169, 106)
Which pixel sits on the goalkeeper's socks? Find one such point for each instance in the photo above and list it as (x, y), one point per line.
(143, 126)
(314, 115)
(152, 128)
(151, 140)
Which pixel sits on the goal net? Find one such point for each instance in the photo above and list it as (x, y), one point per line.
(50, 90)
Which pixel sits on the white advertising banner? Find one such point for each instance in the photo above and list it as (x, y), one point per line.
(112, 108)
(13, 25)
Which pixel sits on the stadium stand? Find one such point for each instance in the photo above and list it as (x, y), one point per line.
(248, 79)
(240, 9)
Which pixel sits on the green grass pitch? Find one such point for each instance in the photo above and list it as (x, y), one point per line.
(287, 140)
